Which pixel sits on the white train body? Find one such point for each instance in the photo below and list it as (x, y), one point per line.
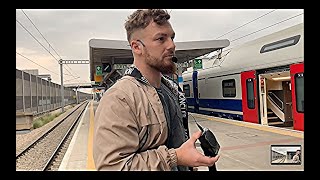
(247, 70)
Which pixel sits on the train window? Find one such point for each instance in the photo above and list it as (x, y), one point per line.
(229, 88)
(299, 86)
(250, 93)
(186, 90)
(280, 44)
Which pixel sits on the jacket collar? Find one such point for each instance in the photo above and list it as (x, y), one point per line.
(134, 71)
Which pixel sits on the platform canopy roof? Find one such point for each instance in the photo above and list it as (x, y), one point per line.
(119, 52)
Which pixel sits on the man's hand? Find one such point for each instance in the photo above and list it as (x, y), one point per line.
(188, 155)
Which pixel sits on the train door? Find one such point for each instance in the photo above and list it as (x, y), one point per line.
(263, 100)
(195, 91)
(249, 97)
(297, 89)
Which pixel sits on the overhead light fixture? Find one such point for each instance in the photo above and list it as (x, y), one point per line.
(281, 78)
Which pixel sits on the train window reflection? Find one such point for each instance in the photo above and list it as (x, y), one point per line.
(299, 86)
(250, 93)
(186, 90)
(229, 88)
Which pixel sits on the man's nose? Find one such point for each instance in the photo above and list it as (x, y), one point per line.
(171, 44)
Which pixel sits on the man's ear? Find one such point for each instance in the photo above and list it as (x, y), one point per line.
(136, 46)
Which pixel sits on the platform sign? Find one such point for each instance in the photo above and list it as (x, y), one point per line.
(106, 67)
(197, 63)
(98, 70)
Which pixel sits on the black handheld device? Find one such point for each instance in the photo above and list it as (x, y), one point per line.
(209, 144)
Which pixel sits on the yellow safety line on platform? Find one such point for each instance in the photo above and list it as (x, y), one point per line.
(90, 162)
(255, 126)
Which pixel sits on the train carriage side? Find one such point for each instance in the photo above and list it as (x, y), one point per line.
(273, 92)
(220, 95)
(260, 81)
(189, 91)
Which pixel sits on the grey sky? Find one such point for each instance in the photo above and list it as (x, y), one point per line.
(69, 32)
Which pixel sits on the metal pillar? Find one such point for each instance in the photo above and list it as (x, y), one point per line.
(61, 71)
(77, 100)
(62, 89)
(23, 101)
(180, 79)
(37, 91)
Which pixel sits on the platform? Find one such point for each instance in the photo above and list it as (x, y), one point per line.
(244, 146)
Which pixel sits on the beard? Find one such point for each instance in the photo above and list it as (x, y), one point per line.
(164, 65)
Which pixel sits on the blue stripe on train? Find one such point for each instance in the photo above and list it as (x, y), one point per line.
(223, 104)
(191, 101)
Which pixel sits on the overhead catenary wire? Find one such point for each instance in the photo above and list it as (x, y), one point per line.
(246, 23)
(260, 30)
(40, 33)
(46, 40)
(42, 66)
(39, 42)
(42, 44)
(228, 49)
(254, 31)
(241, 27)
(37, 64)
(267, 27)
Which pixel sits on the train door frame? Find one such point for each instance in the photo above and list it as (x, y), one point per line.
(298, 117)
(263, 100)
(195, 91)
(279, 74)
(265, 81)
(250, 114)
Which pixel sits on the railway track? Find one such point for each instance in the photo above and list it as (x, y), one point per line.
(46, 152)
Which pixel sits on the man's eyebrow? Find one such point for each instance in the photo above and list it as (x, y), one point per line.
(160, 34)
(163, 34)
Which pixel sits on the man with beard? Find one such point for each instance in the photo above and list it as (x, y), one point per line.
(138, 123)
(296, 158)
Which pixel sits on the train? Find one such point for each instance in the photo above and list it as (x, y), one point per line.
(260, 81)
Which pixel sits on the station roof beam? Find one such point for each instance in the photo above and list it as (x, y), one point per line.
(112, 52)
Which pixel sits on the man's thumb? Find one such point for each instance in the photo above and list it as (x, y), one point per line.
(196, 135)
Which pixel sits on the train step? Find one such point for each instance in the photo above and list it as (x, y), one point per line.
(281, 124)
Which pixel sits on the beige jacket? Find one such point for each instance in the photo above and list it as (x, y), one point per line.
(130, 116)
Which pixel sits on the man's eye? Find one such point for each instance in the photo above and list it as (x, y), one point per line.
(160, 39)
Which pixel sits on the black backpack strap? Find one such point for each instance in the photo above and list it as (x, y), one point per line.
(134, 72)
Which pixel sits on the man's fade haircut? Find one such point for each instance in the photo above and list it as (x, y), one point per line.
(140, 19)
